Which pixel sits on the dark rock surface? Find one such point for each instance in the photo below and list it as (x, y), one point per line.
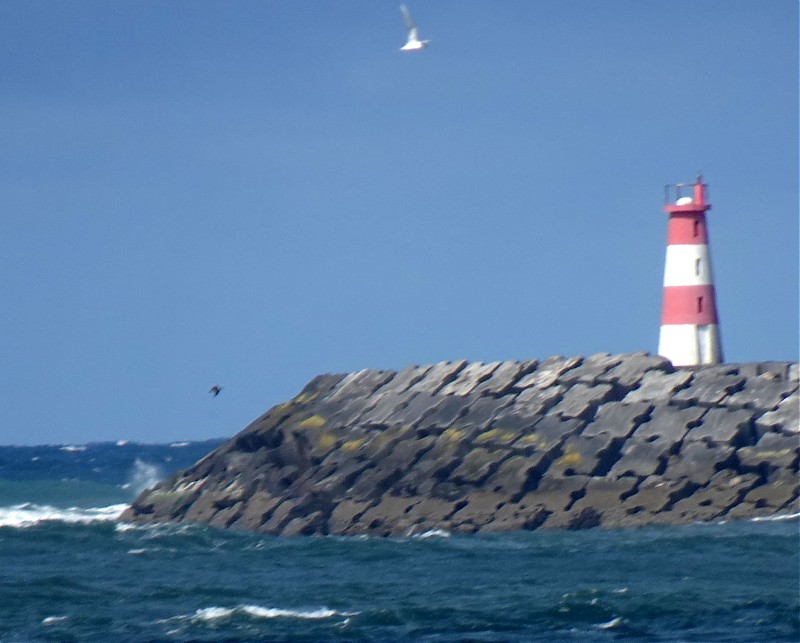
(562, 443)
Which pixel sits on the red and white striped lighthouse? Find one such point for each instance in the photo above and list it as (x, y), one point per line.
(689, 323)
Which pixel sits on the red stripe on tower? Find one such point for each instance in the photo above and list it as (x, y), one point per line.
(689, 322)
(689, 305)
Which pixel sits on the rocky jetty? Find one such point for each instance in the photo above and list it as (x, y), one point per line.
(570, 443)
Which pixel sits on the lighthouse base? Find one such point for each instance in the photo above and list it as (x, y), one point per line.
(690, 344)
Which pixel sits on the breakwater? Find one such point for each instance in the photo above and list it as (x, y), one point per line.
(562, 443)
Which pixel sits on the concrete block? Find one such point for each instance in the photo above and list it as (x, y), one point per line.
(407, 377)
(384, 406)
(504, 377)
(537, 401)
(721, 426)
(761, 393)
(618, 419)
(414, 410)
(658, 386)
(439, 375)
(582, 400)
(773, 450)
(547, 435)
(708, 387)
(785, 419)
(359, 385)
(480, 509)
(555, 492)
(548, 372)
(669, 423)
(513, 475)
(445, 414)
(629, 372)
(478, 465)
(641, 458)
(584, 455)
(468, 378)
(590, 369)
(697, 462)
(482, 411)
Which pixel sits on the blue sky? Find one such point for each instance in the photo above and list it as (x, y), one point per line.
(252, 193)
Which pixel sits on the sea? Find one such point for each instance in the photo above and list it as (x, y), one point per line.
(69, 571)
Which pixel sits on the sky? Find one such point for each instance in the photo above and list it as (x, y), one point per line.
(250, 193)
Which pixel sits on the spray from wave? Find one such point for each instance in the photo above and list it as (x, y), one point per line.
(143, 476)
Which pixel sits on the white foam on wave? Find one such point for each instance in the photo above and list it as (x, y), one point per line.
(434, 533)
(609, 624)
(30, 515)
(49, 620)
(777, 518)
(72, 448)
(214, 613)
(136, 552)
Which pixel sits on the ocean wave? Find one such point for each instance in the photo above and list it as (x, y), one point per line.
(608, 625)
(214, 613)
(777, 518)
(30, 515)
(433, 533)
(53, 619)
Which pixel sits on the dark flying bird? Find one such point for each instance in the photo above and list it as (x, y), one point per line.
(215, 390)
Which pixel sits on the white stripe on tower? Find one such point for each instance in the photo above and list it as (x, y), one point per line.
(689, 323)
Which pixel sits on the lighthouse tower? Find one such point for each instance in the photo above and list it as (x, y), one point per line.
(689, 323)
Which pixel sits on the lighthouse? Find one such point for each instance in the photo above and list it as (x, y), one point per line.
(689, 322)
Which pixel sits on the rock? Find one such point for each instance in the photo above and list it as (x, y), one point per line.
(642, 458)
(345, 514)
(604, 496)
(477, 465)
(503, 378)
(709, 387)
(697, 461)
(785, 418)
(590, 369)
(762, 393)
(773, 451)
(570, 443)
(721, 426)
(469, 378)
(669, 423)
(658, 386)
(438, 376)
(632, 368)
(619, 419)
(582, 401)
(479, 510)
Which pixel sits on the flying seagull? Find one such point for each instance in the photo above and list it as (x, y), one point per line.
(215, 390)
(413, 43)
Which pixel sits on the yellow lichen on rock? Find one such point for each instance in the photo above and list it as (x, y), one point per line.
(353, 445)
(313, 422)
(570, 457)
(531, 439)
(453, 434)
(326, 441)
(496, 435)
